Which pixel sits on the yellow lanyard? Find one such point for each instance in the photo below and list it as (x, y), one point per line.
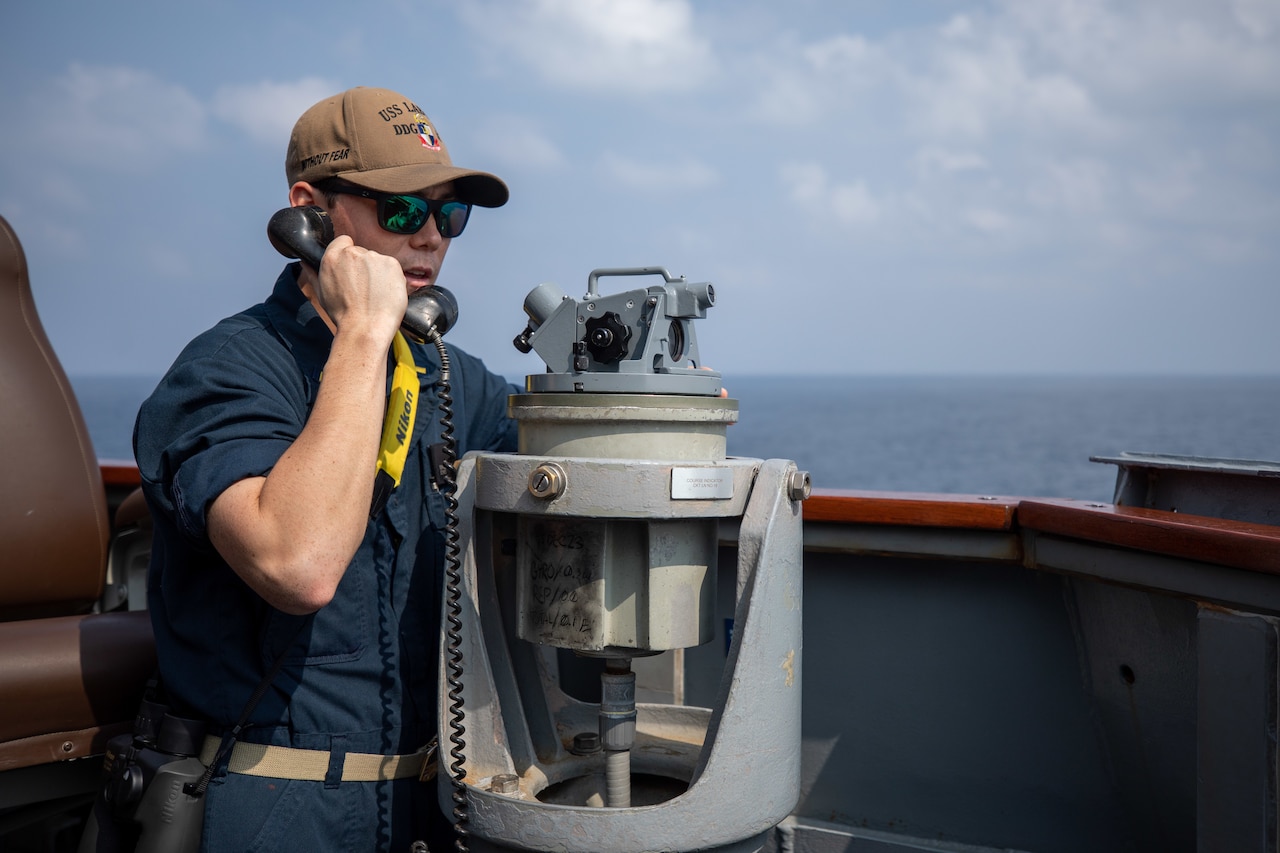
(402, 408)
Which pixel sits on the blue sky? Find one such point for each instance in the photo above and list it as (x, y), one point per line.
(877, 187)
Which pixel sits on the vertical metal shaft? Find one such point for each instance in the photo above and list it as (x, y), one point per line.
(617, 778)
(618, 729)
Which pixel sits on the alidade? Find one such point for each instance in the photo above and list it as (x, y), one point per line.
(641, 341)
(601, 537)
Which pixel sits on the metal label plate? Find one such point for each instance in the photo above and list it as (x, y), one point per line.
(701, 484)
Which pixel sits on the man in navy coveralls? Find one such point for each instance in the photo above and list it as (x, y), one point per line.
(258, 453)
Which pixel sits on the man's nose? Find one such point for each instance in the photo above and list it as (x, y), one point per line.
(428, 236)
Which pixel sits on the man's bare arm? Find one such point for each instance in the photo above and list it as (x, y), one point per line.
(291, 534)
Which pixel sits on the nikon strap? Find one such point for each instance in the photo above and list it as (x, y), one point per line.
(397, 427)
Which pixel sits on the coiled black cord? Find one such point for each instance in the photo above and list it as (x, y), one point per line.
(453, 597)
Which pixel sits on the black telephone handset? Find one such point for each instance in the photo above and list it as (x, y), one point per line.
(304, 232)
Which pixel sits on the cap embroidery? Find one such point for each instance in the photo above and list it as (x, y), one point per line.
(425, 132)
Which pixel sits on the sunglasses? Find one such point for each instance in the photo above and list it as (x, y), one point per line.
(406, 214)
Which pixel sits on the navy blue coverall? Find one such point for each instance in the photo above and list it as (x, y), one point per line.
(360, 675)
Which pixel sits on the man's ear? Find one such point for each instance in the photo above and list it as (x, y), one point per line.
(302, 194)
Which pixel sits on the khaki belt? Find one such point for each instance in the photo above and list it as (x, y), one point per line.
(312, 765)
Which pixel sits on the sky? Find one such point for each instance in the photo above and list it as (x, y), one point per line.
(873, 186)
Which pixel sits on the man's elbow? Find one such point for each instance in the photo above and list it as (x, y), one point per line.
(301, 604)
(299, 589)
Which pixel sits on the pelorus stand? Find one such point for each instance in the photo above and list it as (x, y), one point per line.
(601, 537)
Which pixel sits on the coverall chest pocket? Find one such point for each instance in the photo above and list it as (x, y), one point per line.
(338, 632)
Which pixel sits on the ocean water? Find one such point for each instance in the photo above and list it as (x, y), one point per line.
(999, 435)
(1016, 436)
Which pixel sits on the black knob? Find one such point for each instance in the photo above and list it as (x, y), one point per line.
(607, 338)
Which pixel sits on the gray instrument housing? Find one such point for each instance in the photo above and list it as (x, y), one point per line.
(639, 341)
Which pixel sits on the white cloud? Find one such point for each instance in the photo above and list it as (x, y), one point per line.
(987, 220)
(517, 141)
(959, 27)
(1156, 53)
(267, 111)
(853, 204)
(653, 176)
(55, 200)
(1063, 122)
(934, 160)
(1090, 68)
(1260, 18)
(850, 204)
(1170, 187)
(787, 96)
(628, 46)
(804, 84)
(808, 181)
(1076, 186)
(986, 86)
(115, 118)
(852, 57)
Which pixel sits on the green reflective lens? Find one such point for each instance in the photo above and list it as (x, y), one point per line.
(451, 217)
(403, 214)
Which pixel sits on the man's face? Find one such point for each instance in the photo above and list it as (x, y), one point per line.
(420, 255)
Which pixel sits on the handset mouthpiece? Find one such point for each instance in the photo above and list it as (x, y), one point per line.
(432, 307)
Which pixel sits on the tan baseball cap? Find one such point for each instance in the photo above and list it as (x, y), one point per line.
(380, 140)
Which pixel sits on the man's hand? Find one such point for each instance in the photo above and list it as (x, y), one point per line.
(361, 290)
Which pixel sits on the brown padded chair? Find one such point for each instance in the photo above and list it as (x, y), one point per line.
(70, 679)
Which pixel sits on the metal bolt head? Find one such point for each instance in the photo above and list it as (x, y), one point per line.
(798, 486)
(585, 743)
(547, 481)
(504, 783)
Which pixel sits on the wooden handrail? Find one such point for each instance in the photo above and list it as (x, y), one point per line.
(912, 509)
(1224, 542)
(119, 473)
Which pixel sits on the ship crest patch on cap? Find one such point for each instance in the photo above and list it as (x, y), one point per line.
(425, 131)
